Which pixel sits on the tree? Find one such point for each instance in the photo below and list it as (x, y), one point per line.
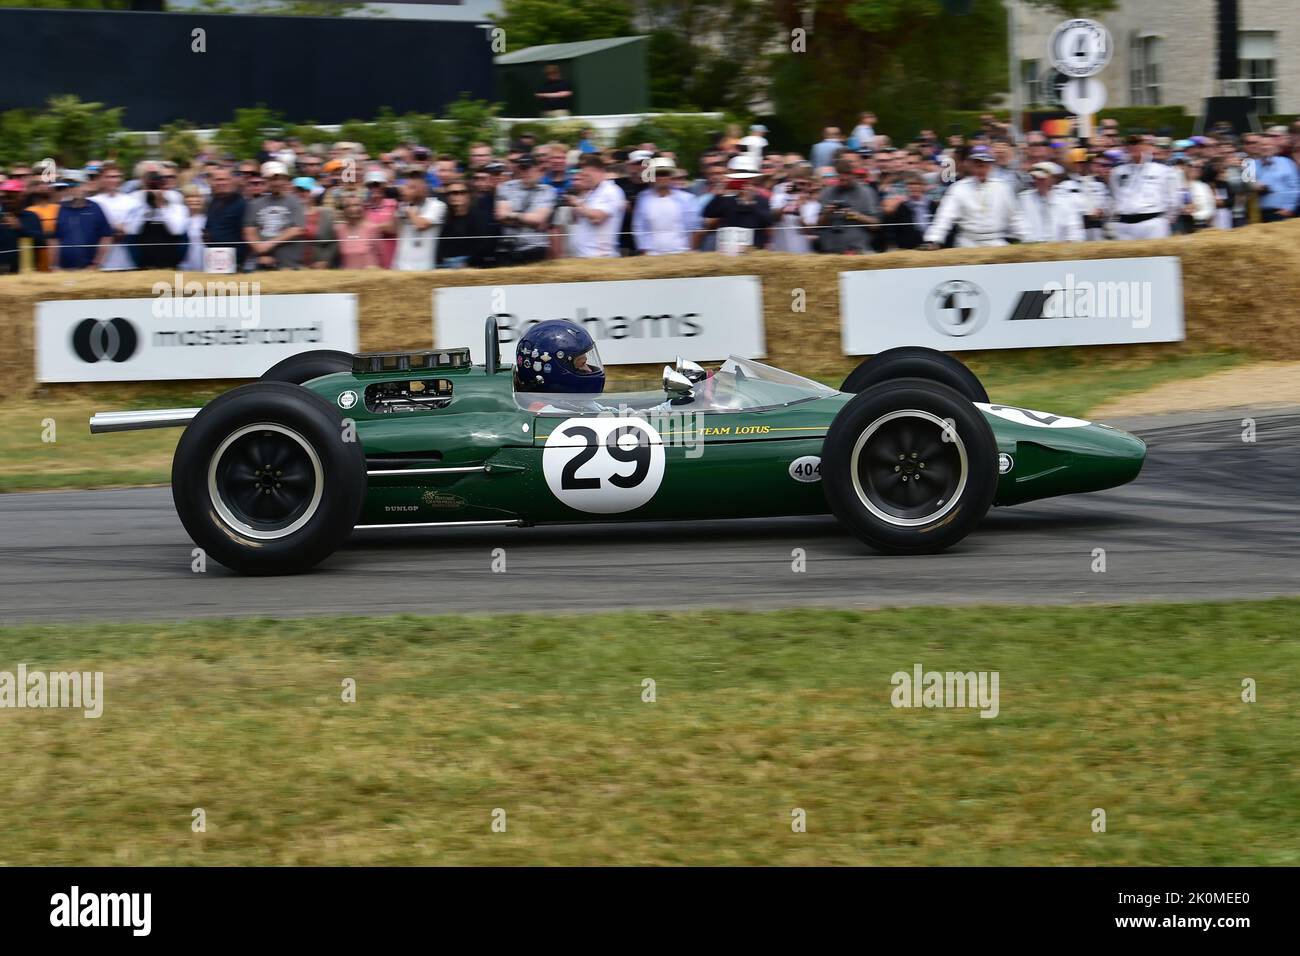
(469, 121)
(907, 60)
(534, 22)
(707, 54)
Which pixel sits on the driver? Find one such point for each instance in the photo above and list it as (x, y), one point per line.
(558, 356)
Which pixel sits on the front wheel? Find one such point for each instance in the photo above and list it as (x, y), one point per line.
(910, 466)
(267, 480)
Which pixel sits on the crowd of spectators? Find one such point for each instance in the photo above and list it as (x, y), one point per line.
(322, 207)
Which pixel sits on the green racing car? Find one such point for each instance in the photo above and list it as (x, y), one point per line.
(271, 477)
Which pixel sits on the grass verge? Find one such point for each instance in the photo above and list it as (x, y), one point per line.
(1065, 381)
(1135, 710)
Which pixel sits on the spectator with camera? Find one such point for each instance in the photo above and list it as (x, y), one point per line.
(598, 206)
(848, 211)
(156, 224)
(416, 226)
(523, 210)
(795, 210)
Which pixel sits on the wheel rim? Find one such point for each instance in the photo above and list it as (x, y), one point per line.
(265, 481)
(905, 472)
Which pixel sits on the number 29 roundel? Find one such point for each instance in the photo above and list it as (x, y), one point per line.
(604, 465)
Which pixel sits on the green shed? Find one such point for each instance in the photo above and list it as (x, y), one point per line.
(607, 76)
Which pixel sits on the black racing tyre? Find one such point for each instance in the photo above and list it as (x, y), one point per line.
(910, 466)
(266, 480)
(914, 361)
(305, 366)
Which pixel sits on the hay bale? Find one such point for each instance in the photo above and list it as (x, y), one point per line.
(1241, 290)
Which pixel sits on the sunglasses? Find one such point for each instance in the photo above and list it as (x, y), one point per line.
(457, 192)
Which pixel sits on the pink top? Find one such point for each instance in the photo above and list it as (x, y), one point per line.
(357, 246)
(378, 216)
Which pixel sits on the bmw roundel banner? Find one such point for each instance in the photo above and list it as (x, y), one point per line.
(1013, 305)
(186, 337)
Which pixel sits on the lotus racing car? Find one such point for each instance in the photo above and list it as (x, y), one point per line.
(909, 454)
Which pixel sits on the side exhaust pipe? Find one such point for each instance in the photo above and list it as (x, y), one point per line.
(102, 422)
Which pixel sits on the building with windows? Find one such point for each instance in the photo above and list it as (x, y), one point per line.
(1166, 54)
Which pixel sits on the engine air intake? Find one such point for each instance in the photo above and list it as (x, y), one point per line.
(368, 363)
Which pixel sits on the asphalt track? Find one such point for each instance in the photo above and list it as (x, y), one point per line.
(1210, 517)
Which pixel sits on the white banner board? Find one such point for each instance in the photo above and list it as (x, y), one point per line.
(634, 321)
(186, 337)
(1014, 305)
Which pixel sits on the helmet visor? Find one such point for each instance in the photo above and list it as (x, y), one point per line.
(588, 363)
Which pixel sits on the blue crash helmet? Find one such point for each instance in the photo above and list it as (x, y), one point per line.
(558, 356)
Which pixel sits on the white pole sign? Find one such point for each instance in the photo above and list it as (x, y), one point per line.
(1080, 47)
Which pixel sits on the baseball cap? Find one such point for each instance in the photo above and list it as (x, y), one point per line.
(12, 186)
(274, 167)
(639, 155)
(525, 162)
(758, 128)
(982, 153)
(305, 183)
(1042, 170)
(73, 176)
(376, 176)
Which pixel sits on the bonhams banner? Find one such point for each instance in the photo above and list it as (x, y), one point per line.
(643, 320)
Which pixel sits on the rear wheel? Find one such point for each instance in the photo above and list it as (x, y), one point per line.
(910, 466)
(914, 361)
(305, 366)
(265, 481)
